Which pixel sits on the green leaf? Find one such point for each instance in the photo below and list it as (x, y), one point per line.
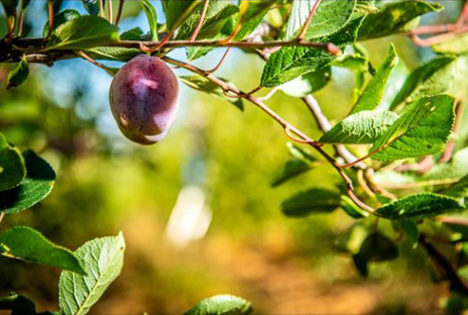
(453, 170)
(394, 16)
(9, 6)
(92, 6)
(253, 16)
(113, 53)
(459, 189)
(354, 62)
(202, 84)
(18, 304)
(311, 201)
(291, 169)
(216, 16)
(291, 62)
(361, 128)
(12, 167)
(27, 244)
(351, 209)
(178, 11)
(423, 129)
(330, 17)
(19, 74)
(76, 34)
(132, 34)
(308, 83)
(103, 261)
(60, 18)
(418, 206)
(221, 305)
(457, 45)
(152, 17)
(36, 186)
(372, 95)
(411, 230)
(432, 78)
(378, 248)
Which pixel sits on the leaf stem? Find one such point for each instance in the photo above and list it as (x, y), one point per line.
(119, 12)
(220, 63)
(50, 8)
(111, 11)
(303, 32)
(83, 55)
(2, 215)
(200, 21)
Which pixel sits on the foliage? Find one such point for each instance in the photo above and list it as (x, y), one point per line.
(400, 151)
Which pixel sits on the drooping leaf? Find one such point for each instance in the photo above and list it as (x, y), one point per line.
(411, 230)
(76, 34)
(423, 129)
(60, 18)
(432, 78)
(354, 62)
(374, 91)
(216, 16)
(18, 75)
(291, 62)
(113, 53)
(92, 6)
(419, 206)
(12, 167)
(132, 34)
(375, 248)
(178, 11)
(152, 18)
(307, 84)
(314, 200)
(103, 261)
(18, 304)
(36, 186)
(24, 243)
(330, 17)
(221, 305)
(361, 128)
(202, 84)
(290, 170)
(394, 16)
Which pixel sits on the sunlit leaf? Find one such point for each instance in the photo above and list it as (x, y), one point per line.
(12, 166)
(103, 261)
(18, 74)
(419, 206)
(315, 200)
(60, 18)
(152, 18)
(423, 129)
(36, 186)
(29, 245)
(363, 127)
(221, 305)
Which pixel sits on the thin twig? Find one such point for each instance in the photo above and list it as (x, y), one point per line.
(435, 182)
(101, 9)
(200, 21)
(119, 12)
(439, 38)
(220, 63)
(2, 215)
(303, 32)
(286, 125)
(83, 55)
(110, 9)
(50, 7)
(456, 281)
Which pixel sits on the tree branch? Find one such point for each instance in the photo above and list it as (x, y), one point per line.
(456, 281)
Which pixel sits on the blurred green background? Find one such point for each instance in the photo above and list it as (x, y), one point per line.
(197, 210)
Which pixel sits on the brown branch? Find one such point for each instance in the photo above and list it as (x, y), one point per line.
(286, 125)
(220, 63)
(111, 13)
(50, 8)
(2, 215)
(200, 21)
(119, 12)
(457, 283)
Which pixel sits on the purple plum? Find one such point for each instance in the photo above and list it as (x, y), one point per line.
(144, 98)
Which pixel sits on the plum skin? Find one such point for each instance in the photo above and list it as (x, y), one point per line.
(144, 98)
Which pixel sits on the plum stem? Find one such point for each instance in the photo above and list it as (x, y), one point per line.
(200, 21)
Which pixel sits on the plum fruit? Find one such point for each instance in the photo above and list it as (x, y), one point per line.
(144, 97)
